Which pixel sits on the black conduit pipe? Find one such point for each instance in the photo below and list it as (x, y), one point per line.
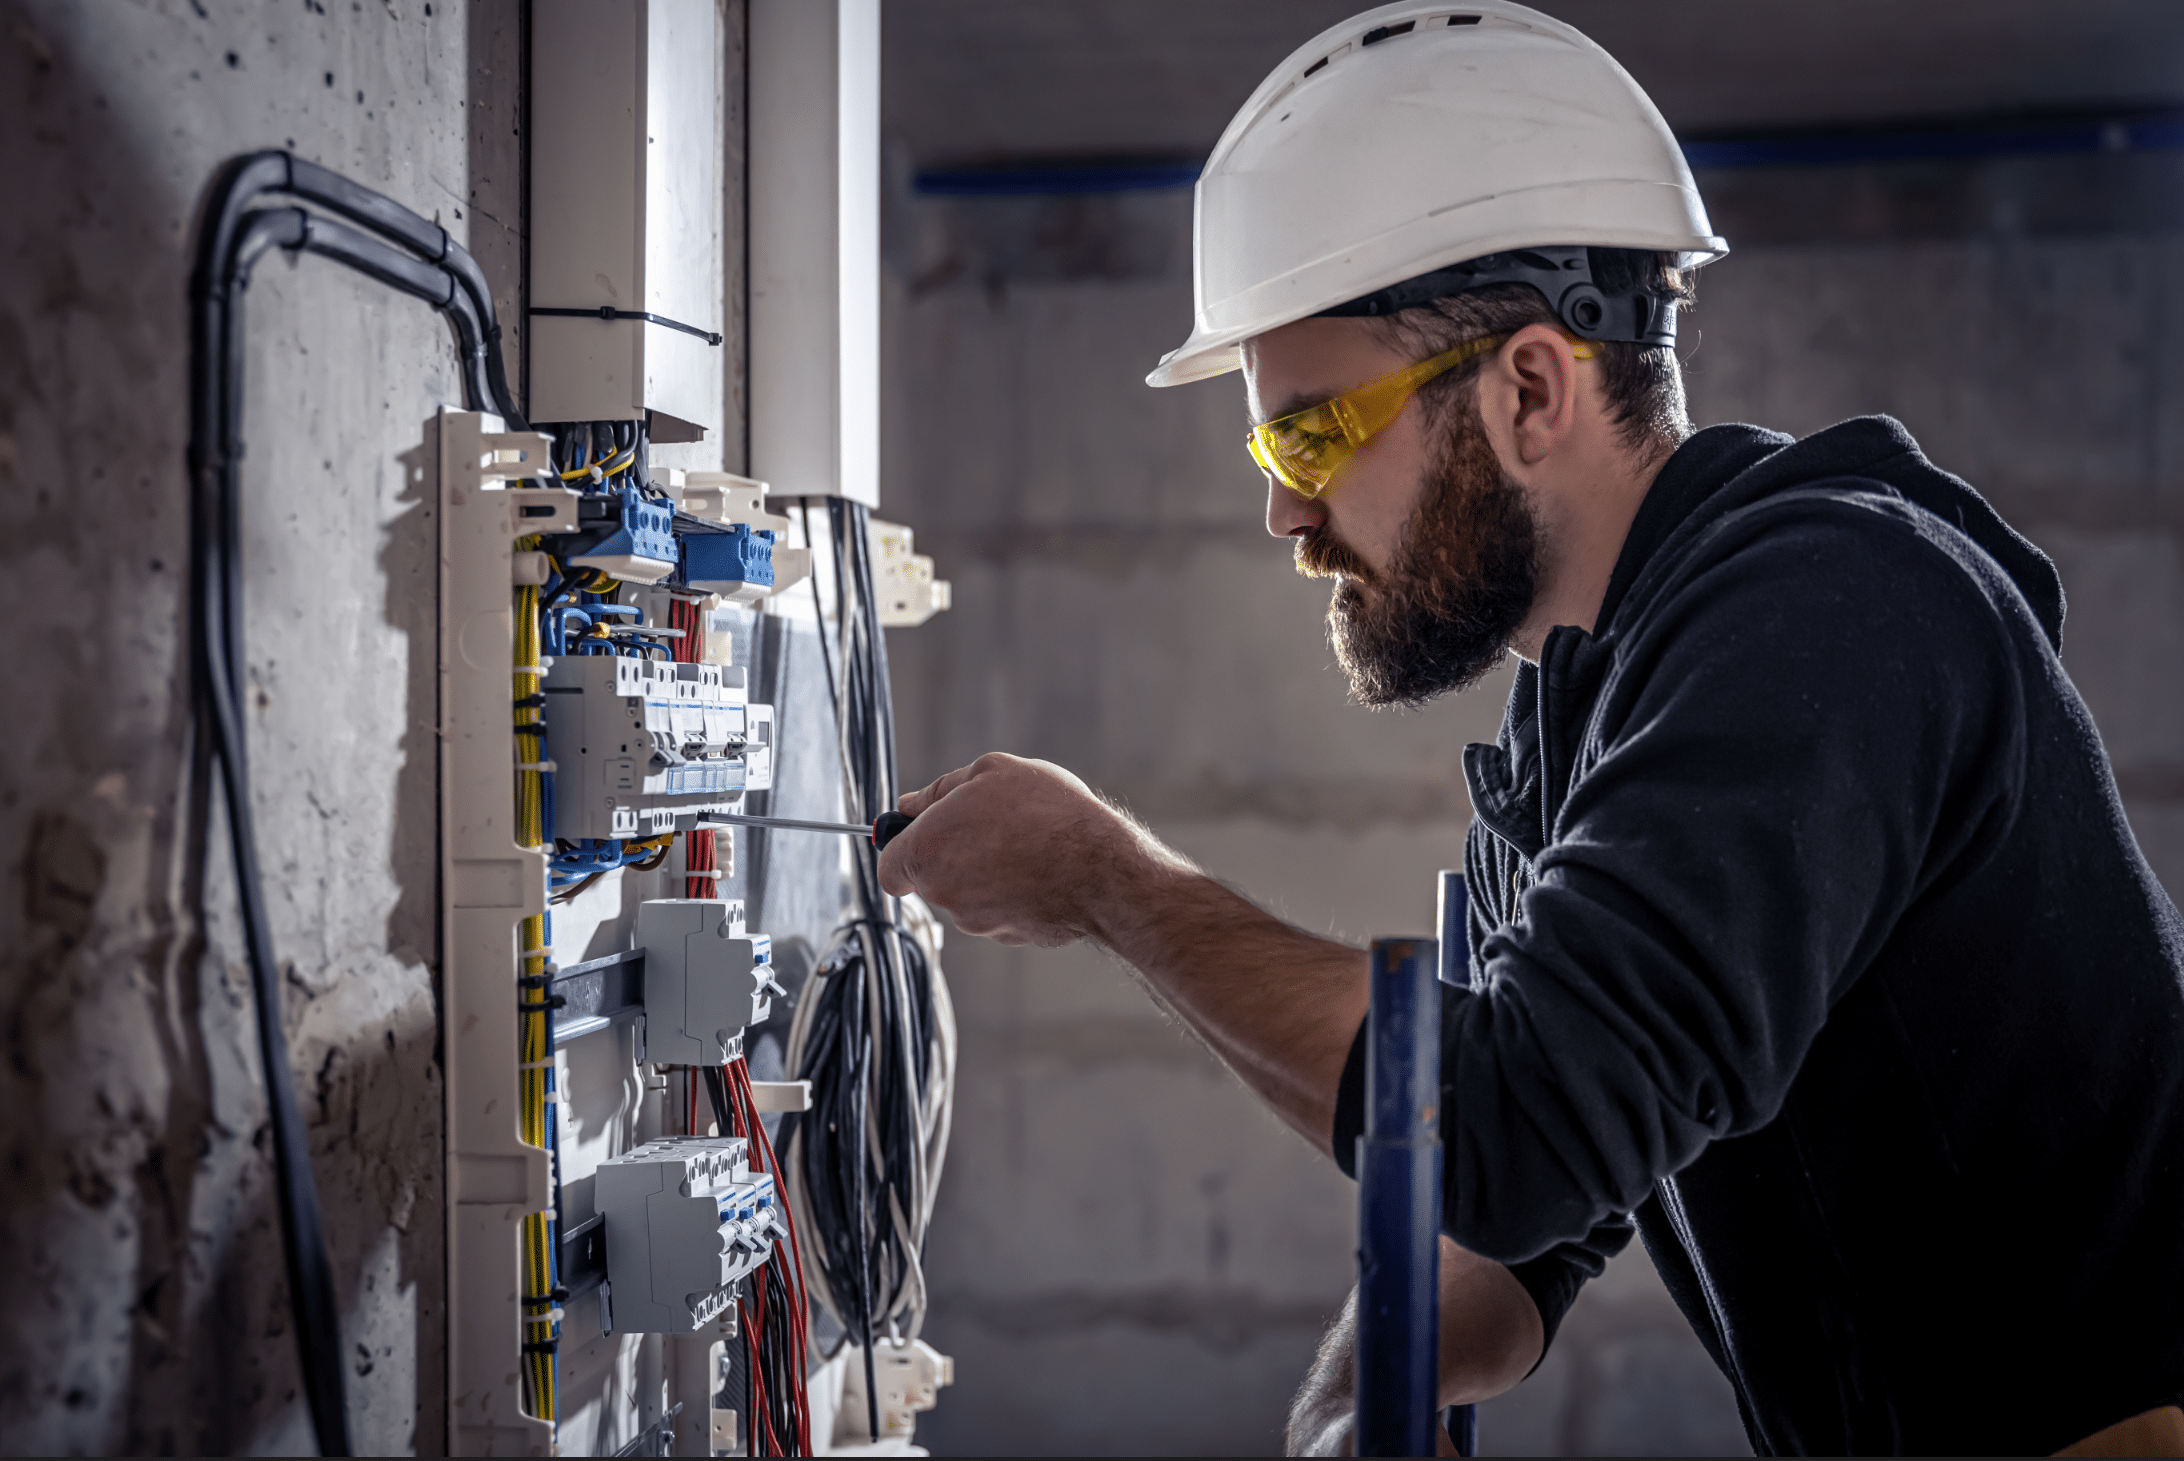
(417, 258)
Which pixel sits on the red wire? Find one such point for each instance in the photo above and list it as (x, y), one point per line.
(697, 845)
(746, 1105)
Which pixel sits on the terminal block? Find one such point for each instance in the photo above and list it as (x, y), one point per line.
(725, 498)
(623, 533)
(686, 1220)
(735, 563)
(706, 978)
(642, 747)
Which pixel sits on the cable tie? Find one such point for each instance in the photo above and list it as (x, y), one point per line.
(551, 1002)
(530, 669)
(536, 766)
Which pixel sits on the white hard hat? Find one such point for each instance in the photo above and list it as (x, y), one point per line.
(1414, 137)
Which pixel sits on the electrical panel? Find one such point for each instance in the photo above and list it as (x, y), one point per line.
(624, 689)
(645, 991)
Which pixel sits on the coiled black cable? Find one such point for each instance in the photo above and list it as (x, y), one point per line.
(866, 1033)
(430, 266)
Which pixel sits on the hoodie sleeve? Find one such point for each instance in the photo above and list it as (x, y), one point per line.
(1810, 722)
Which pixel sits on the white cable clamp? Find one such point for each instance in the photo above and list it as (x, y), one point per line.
(536, 766)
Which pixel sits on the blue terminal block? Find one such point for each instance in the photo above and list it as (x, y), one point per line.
(737, 563)
(638, 537)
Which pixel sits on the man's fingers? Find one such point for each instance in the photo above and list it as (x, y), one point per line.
(918, 801)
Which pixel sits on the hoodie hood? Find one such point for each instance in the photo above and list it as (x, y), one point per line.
(1724, 468)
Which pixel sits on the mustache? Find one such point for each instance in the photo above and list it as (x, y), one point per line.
(1320, 554)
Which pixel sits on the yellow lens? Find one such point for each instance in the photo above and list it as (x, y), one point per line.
(1276, 455)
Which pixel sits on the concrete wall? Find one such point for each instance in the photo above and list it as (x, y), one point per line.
(147, 1312)
(1130, 1256)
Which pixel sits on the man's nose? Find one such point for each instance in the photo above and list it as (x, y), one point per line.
(1287, 514)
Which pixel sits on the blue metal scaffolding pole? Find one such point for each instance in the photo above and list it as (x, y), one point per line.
(1455, 968)
(1399, 1205)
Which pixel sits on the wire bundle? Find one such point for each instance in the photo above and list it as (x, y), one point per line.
(535, 1037)
(874, 1031)
(774, 1319)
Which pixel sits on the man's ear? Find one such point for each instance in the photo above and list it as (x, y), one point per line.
(1528, 395)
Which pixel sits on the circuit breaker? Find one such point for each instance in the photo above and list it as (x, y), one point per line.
(644, 747)
(706, 978)
(686, 1220)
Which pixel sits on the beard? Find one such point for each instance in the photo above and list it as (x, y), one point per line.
(1463, 578)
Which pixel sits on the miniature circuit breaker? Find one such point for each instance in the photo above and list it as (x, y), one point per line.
(705, 979)
(686, 1220)
(642, 747)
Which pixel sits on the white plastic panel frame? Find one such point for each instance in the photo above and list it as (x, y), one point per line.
(909, 594)
(488, 885)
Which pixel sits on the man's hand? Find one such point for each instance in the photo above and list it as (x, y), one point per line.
(1018, 851)
(1491, 1337)
(1023, 852)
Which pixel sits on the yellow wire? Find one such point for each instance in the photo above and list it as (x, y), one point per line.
(538, 1369)
(610, 466)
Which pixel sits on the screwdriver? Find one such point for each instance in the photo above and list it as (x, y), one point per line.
(882, 831)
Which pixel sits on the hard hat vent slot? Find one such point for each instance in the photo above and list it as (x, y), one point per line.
(1319, 65)
(1380, 33)
(1463, 20)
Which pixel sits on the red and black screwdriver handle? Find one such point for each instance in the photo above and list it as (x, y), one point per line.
(886, 827)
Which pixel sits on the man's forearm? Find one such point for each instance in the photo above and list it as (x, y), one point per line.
(1277, 1005)
(1023, 852)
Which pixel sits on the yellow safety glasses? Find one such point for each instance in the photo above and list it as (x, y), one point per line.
(1303, 450)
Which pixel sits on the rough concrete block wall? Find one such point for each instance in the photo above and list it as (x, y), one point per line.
(148, 1312)
(1129, 1255)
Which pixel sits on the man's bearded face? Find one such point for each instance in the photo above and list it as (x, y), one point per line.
(1462, 581)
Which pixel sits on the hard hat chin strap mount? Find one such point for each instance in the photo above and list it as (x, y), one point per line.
(1562, 273)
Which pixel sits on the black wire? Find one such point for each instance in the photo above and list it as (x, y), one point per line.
(233, 238)
(868, 1047)
(226, 249)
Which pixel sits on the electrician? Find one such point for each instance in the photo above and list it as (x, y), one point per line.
(1807, 933)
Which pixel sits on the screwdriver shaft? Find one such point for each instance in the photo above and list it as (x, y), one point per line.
(791, 824)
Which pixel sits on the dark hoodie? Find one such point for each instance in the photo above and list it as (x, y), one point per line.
(1806, 926)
